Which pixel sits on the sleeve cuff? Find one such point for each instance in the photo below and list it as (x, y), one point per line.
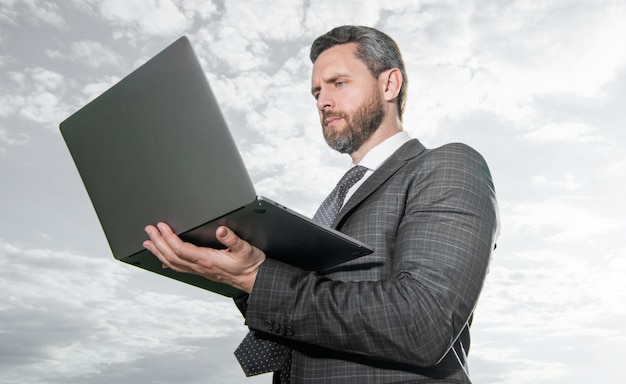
(272, 298)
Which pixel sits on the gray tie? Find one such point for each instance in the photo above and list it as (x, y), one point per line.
(330, 207)
(258, 355)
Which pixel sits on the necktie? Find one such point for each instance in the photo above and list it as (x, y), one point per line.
(258, 355)
(330, 207)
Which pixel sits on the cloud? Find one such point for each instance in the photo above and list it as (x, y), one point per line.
(193, 364)
(89, 318)
(94, 54)
(38, 95)
(567, 182)
(202, 9)
(498, 57)
(563, 220)
(144, 18)
(34, 11)
(251, 19)
(555, 302)
(228, 49)
(534, 51)
(506, 366)
(43, 108)
(151, 17)
(9, 140)
(45, 79)
(8, 105)
(320, 17)
(564, 132)
(95, 89)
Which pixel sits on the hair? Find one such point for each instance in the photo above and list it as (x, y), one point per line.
(374, 48)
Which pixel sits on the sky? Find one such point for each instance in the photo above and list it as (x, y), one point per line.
(537, 87)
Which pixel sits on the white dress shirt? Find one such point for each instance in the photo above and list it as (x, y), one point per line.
(377, 156)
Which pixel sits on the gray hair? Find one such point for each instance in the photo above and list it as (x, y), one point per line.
(376, 49)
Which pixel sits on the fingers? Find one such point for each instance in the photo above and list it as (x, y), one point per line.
(155, 244)
(237, 265)
(169, 248)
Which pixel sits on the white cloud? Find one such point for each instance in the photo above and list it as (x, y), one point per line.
(498, 57)
(252, 18)
(45, 79)
(555, 302)
(555, 132)
(43, 108)
(86, 315)
(542, 49)
(614, 171)
(321, 16)
(230, 46)
(39, 96)
(95, 54)
(150, 17)
(563, 220)
(91, 53)
(203, 9)
(567, 182)
(144, 19)
(8, 13)
(7, 105)
(95, 89)
(521, 370)
(35, 11)
(8, 139)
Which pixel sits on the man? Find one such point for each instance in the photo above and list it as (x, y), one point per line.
(401, 314)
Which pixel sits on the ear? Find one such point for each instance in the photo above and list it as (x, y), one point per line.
(390, 82)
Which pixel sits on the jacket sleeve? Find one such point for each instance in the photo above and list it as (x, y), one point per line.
(440, 257)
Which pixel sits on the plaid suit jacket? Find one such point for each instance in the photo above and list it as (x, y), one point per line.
(401, 314)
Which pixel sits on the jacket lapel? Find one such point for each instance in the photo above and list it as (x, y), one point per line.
(396, 161)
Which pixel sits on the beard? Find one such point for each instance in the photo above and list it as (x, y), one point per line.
(360, 125)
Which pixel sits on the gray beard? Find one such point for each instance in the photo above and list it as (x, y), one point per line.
(360, 126)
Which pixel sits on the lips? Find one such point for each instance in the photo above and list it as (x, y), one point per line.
(330, 120)
(330, 117)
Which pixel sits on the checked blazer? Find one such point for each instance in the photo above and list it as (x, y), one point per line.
(401, 314)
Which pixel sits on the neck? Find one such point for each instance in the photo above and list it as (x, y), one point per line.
(385, 131)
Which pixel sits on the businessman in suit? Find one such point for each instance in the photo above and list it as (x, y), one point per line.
(403, 313)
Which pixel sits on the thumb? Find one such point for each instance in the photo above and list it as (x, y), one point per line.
(229, 239)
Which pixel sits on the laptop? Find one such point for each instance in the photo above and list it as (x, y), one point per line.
(155, 147)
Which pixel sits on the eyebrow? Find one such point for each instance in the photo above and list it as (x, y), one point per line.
(331, 79)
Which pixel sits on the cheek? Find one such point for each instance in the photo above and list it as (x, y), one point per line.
(353, 100)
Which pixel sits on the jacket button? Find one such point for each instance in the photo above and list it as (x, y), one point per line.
(288, 331)
(269, 324)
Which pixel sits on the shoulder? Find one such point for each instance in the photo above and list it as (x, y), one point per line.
(453, 155)
(454, 152)
(455, 163)
(414, 151)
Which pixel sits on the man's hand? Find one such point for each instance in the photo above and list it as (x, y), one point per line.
(236, 266)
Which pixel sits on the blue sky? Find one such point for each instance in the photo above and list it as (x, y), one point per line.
(537, 87)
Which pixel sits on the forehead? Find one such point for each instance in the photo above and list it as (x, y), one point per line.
(340, 59)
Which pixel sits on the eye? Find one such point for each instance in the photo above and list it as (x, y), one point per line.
(340, 84)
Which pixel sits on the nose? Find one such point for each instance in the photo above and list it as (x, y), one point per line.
(324, 101)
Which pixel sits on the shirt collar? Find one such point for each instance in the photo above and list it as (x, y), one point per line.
(377, 155)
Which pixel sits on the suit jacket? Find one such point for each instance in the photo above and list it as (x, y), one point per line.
(401, 314)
